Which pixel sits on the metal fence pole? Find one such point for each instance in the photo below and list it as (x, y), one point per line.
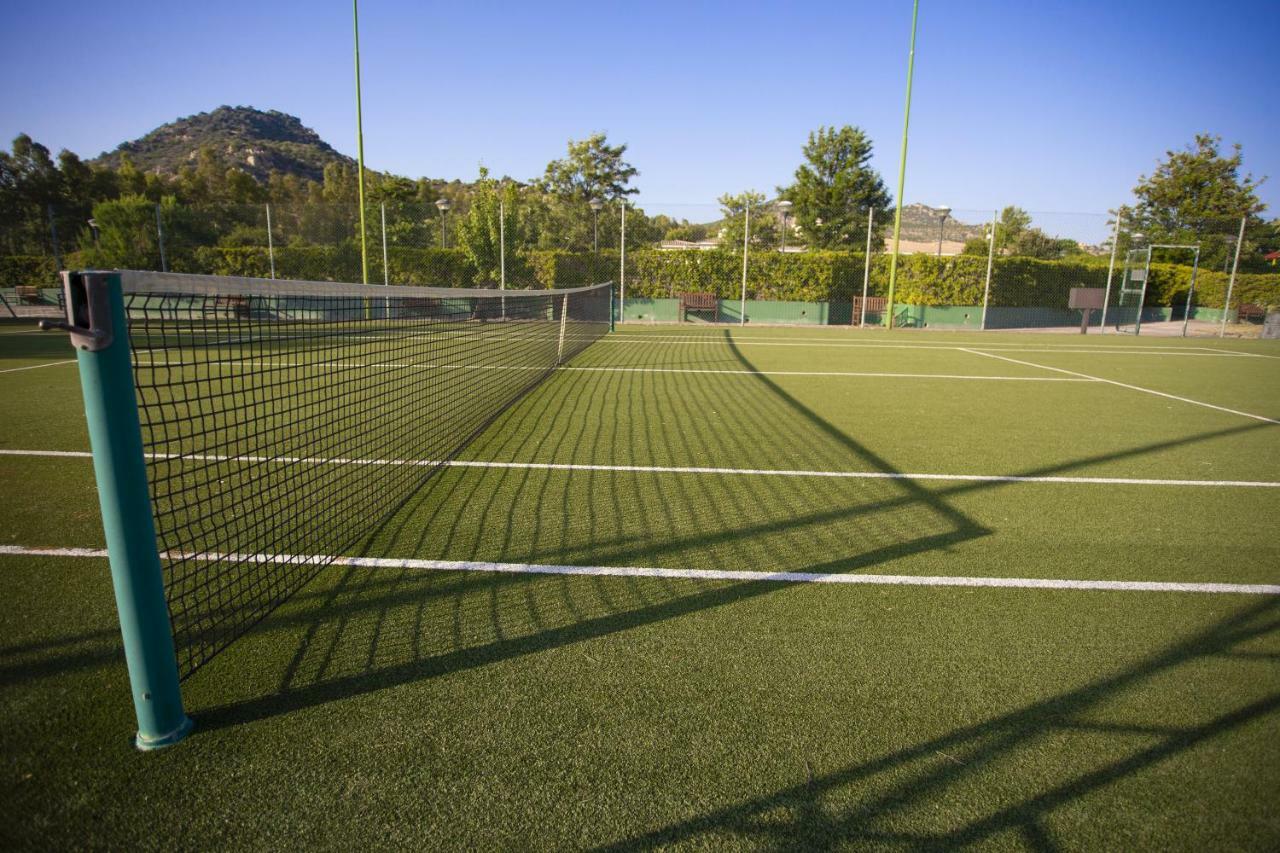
(1231, 283)
(1191, 291)
(164, 262)
(622, 266)
(866, 267)
(991, 256)
(53, 233)
(1111, 268)
(502, 244)
(746, 242)
(271, 248)
(386, 270)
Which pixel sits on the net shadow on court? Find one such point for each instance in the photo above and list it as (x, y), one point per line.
(372, 629)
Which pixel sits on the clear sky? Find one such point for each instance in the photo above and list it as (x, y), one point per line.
(1056, 107)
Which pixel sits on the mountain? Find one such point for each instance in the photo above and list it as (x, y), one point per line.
(921, 223)
(261, 142)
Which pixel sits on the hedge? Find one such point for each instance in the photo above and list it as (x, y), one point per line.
(18, 270)
(800, 276)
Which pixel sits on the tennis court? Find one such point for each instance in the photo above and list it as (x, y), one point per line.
(704, 587)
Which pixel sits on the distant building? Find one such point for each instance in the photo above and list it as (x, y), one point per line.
(676, 245)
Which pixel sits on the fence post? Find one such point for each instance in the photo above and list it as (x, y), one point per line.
(746, 242)
(991, 254)
(271, 249)
(866, 268)
(1231, 283)
(386, 270)
(1191, 291)
(1111, 268)
(622, 271)
(164, 262)
(53, 232)
(106, 380)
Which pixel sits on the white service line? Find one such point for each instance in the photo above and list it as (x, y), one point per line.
(1233, 352)
(37, 366)
(671, 469)
(1124, 385)
(680, 574)
(818, 343)
(599, 369)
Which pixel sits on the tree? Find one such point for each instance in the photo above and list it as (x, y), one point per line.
(835, 187)
(594, 169)
(1012, 224)
(764, 221)
(495, 213)
(1197, 195)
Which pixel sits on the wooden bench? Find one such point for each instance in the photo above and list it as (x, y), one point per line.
(874, 305)
(1250, 313)
(698, 302)
(27, 294)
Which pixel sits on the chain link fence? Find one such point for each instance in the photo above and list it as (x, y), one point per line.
(743, 260)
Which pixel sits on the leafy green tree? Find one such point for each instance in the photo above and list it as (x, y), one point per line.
(1012, 224)
(1198, 195)
(763, 221)
(835, 187)
(495, 212)
(593, 169)
(127, 236)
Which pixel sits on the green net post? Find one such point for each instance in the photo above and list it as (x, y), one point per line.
(96, 322)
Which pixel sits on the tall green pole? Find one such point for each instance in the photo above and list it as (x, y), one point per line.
(99, 332)
(902, 168)
(364, 249)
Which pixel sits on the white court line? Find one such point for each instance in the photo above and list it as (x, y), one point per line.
(1124, 385)
(1233, 352)
(679, 574)
(37, 366)
(603, 369)
(671, 469)
(818, 343)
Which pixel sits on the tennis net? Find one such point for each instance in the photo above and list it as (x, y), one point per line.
(283, 420)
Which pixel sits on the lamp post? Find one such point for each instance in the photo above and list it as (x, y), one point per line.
(785, 207)
(443, 205)
(945, 212)
(93, 229)
(596, 204)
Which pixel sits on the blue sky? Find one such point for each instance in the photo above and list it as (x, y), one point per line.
(1056, 107)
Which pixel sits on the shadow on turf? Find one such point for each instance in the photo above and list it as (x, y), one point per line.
(859, 804)
(376, 629)
(373, 630)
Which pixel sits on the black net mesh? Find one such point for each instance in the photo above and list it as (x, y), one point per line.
(284, 421)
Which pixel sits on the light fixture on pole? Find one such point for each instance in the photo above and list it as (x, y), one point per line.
(596, 205)
(443, 205)
(785, 207)
(93, 228)
(945, 212)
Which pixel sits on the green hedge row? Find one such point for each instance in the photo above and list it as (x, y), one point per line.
(18, 270)
(800, 276)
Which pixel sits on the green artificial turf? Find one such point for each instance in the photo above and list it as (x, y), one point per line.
(412, 708)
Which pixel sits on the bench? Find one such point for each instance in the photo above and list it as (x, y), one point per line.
(874, 305)
(1250, 313)
(698, 302)
(28, 294)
